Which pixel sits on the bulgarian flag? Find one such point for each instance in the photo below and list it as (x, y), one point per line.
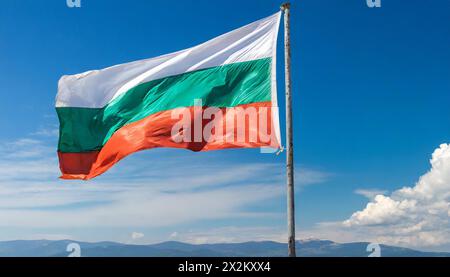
(217, 95)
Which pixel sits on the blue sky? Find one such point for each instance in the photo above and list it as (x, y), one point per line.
(371, 91)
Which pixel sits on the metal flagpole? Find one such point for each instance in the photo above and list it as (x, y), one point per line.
(289, 143)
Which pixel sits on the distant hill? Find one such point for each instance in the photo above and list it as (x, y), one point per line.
(308, 248)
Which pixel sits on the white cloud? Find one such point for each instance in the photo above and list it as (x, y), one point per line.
(383, 210)
(413, 216)
(136, 235)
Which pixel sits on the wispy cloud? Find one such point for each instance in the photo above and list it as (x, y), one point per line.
(233, 234)
(48, 131)
(306, 176)
(49, 237)
(159, 191)
(370, 193)
(25, 148)
(136, 235)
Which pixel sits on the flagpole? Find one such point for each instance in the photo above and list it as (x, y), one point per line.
(289, 142)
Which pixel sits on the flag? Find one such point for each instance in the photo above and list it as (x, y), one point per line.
(216, 95)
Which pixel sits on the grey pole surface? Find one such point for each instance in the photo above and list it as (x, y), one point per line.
(289, 142)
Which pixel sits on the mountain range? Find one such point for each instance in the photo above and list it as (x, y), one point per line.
(307, 248)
